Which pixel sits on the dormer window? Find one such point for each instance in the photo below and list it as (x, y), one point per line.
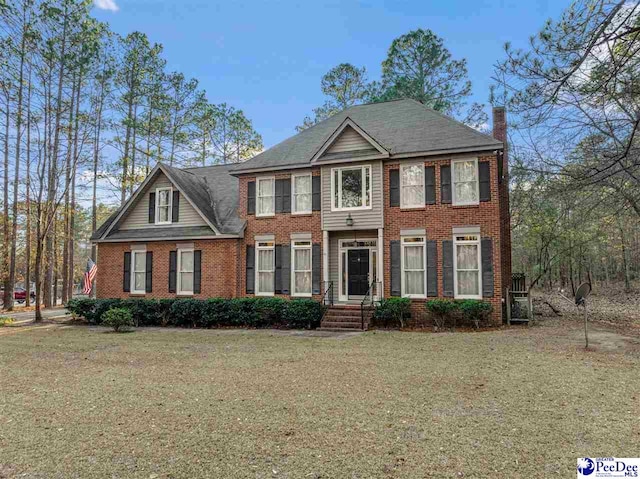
(163, 205)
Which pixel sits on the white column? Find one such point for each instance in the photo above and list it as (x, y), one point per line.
(325, 260)
(381, 261)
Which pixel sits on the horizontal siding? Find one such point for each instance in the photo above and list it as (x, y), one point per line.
(349, 140)
(362, 219)
(138, 216)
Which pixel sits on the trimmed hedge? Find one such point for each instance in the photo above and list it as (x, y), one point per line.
(209, 313)
(471, 310)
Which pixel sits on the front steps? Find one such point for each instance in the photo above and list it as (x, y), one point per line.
(344, 317)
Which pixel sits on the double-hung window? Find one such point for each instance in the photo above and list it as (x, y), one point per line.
(466, 261)
(301, 194)
(266, 270)
(301, 268)
(464, 174)
(138, 271)
(185, 271)
(266, 194)
(414, 267)
(351, 188)
(164, 197)
(412, 186)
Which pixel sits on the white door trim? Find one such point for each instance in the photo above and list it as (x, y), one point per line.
(342, 295)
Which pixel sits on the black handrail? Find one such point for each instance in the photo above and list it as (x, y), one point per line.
(369, 296)
(327, 297)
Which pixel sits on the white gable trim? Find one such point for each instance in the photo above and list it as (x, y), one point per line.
(138, 192)
(348, 122)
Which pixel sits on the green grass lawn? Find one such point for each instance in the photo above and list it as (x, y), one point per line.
(80, 402)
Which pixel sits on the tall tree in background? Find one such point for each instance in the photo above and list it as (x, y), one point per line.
(233, 138)
(579, 78)
(418, 66)
(345, 85)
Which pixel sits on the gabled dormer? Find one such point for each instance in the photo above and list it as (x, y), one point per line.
(349, 142)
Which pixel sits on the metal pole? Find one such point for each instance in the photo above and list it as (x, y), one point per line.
(586, 332)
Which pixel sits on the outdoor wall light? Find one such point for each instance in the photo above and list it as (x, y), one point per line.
(349, 220)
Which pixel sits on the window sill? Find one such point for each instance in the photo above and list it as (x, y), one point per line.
(472, 205)
(139, 295)
(412, 208)
(265, 295)
(265, 217)
(305, 213)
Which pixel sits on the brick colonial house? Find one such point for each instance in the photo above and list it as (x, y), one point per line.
(380, 200)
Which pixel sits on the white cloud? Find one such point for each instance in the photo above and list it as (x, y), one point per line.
(110, 5)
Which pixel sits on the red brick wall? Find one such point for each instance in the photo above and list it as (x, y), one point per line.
(281, 225)
(218, 268)
(439, 221)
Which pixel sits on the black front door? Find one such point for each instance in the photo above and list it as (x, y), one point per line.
(358, 272)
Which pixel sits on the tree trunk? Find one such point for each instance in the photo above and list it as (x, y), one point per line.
(7, 298)
(27, 253)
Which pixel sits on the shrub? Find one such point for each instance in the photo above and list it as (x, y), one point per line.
(188, 312)
(5, 321)
(442, 310)
(394, 310)
(80, 307)
(119, 319)
(475, 310)
(214, 312)
(302, 314)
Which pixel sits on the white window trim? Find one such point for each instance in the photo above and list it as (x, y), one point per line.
(293, 194)
(454, 200)
(455, 265)
(339, 186)
(273, 195)
(402, 268)
(179, 271)
(143, 252)
(158, 190)
(424, 192)
(295, 246)
(259, 248)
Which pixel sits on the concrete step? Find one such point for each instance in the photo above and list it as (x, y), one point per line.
(342, 324)
(341, 330)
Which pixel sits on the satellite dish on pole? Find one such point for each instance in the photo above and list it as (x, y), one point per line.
(583, 291)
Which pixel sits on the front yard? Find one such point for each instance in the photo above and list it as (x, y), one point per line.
(79, 402)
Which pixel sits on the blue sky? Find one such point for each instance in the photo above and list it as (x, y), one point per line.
(267, 58)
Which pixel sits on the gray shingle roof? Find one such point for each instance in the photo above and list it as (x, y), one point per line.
(211, 189)
(400, 126)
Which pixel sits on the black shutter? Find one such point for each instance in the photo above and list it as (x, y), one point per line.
(487, 267)
(316, 263)
(173, 270)
(279, 196)
(394, 187)
(430, 185)
(485, 181)
(447, 268)
(148, 280)
(286, 195)
(175, 207)
(396, 271)
(315, 190)
(197, 271)
(432, 268)
(285, 272)
(152, 207)
(278, 280)
(251, 274)
(126, 273)
(445, 183)
(251, 198)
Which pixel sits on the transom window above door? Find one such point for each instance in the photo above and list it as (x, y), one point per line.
(351, 188)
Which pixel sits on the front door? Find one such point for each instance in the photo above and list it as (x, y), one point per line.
(358, 272)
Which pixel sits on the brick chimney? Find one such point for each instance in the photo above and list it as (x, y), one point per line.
(500, 134)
